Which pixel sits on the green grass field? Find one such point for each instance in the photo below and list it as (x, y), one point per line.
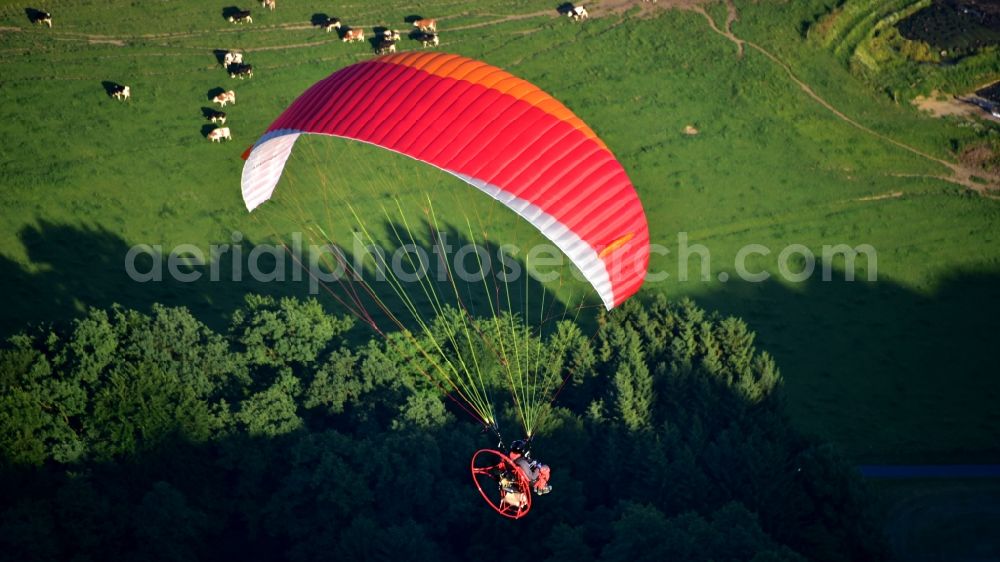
(892, 370)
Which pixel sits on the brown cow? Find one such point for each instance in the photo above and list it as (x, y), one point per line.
(426, 24)
(269, 4)
(224, 98)
(216, 135)
(352, 35)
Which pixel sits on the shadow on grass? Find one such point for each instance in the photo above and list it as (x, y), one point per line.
(220, 55)
(74, 268)
(319, 19)
(110, 87)
(36, 16)
(231, 12)
(211, 95)
(890, 374)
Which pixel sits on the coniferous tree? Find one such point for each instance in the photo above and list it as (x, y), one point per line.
(147, 435)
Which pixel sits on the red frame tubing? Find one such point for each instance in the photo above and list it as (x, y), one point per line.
(504, 463)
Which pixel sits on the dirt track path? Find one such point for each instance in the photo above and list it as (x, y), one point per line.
(960, 175)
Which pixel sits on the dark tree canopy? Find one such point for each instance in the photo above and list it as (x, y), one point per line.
(149, 437)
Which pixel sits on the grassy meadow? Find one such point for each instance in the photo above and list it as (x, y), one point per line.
(899, 369)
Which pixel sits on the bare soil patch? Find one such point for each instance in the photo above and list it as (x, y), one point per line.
(979, 103)
(890, 195)
(981, 156)
(941, 108)
(648, 7)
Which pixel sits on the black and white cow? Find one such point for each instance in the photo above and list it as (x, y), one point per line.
(217, 117)
(385, 47)
(243, 16)
(38, 17)
(231, 58)
(241, 71)
(121, 93)
(331, 23)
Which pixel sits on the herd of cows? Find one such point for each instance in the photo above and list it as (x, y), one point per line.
(425, 31)
(384, 42)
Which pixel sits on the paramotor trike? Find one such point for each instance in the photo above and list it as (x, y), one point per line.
(502, 483)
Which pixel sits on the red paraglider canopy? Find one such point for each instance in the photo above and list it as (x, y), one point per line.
(498, 133)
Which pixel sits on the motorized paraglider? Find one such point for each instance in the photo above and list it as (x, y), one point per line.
(508, 139)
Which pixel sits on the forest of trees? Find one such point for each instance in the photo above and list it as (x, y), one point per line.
(152, 437)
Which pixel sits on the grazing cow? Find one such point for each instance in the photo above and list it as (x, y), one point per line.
(218, 117)
(231, 58)
(385, 47)
(578, 13)
(241, 71)
(426, 24)
(390, 35)
(121, 93)
(241, 17)
(427, 39)
(331, 24)
(216, 135)
(269, 4)
(353, 35)
(224, 98)
(39, 17)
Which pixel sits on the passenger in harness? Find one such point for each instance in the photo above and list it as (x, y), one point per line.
(537, 473)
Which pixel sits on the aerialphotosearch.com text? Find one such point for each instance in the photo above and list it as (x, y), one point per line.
(472, 262)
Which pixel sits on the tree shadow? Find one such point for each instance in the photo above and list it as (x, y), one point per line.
(914, 368)
(73, 268)
(407, 280)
